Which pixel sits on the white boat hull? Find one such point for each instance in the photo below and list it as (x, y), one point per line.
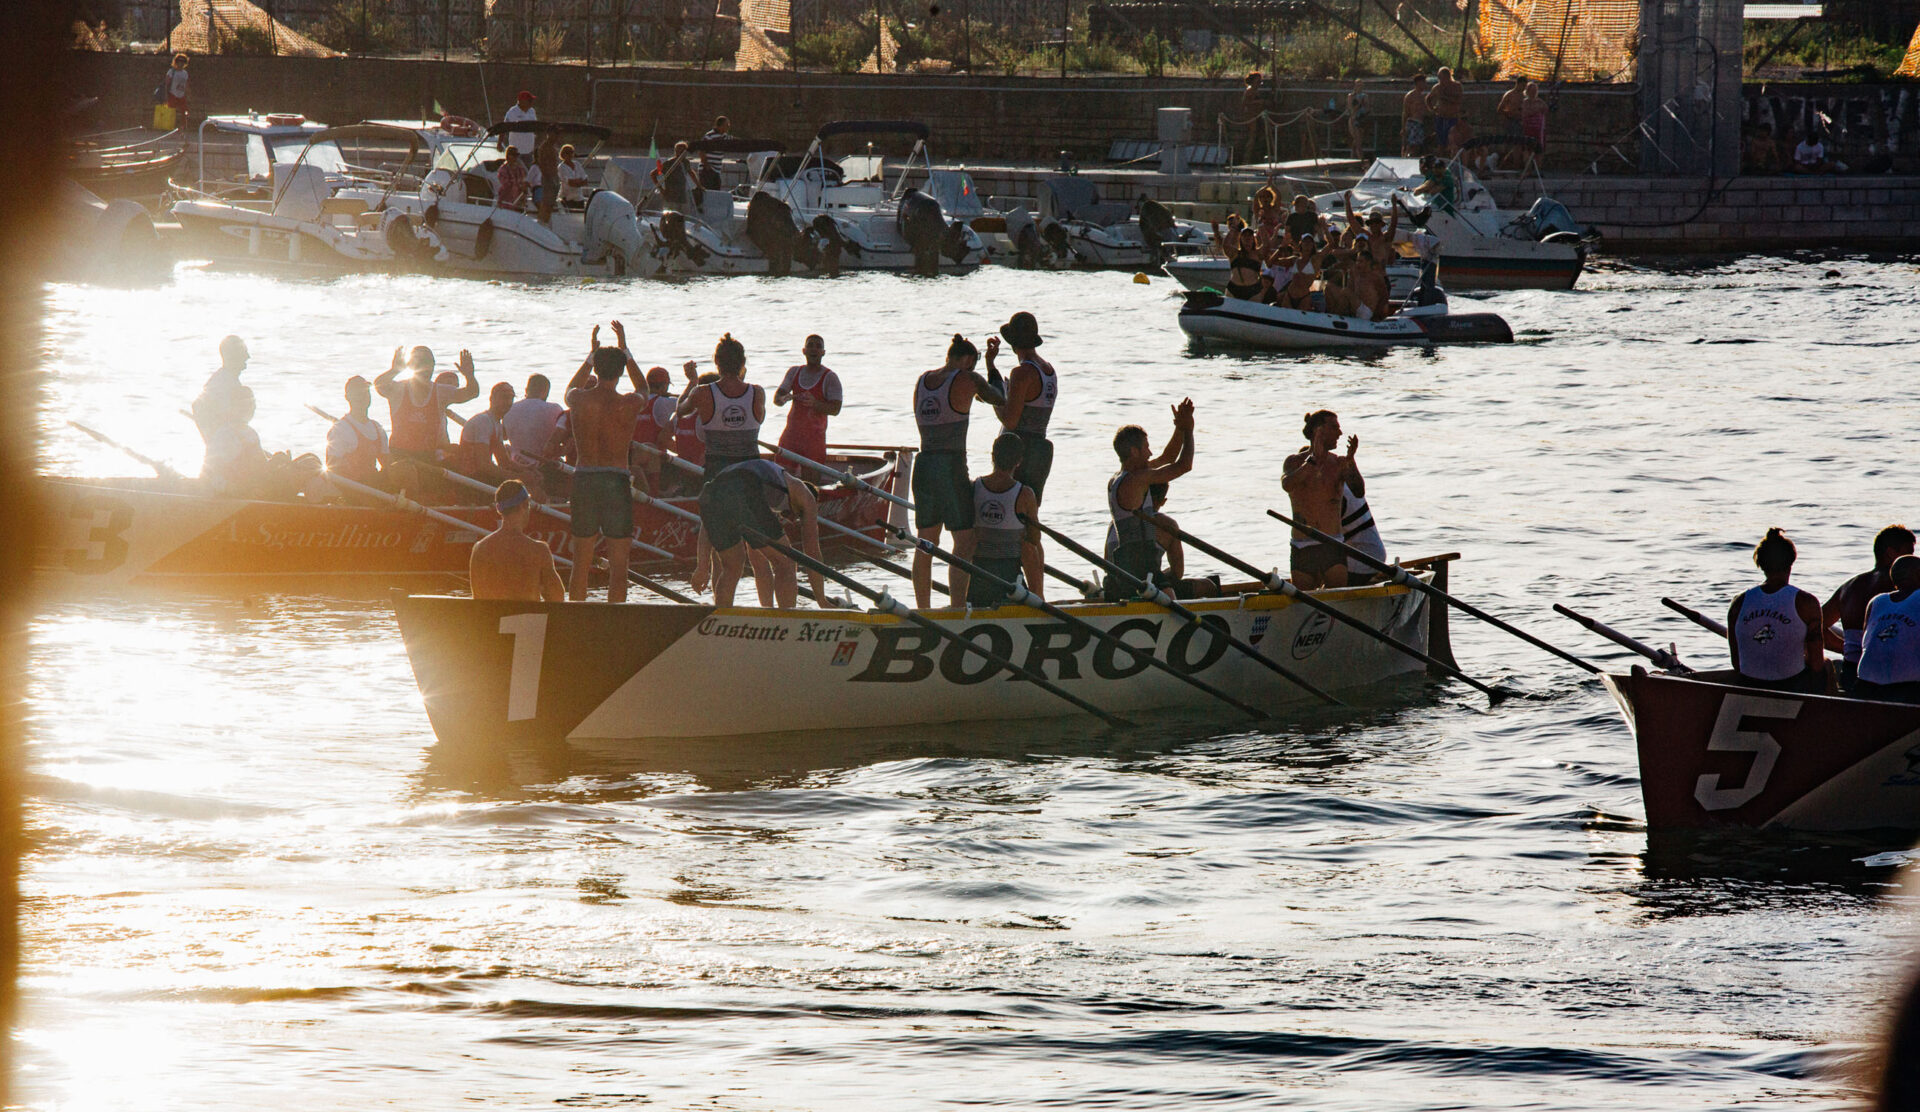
(585, 672)
(1209, 317)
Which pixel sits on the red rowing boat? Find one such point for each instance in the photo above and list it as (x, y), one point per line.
(1713, 754)
(126, 530)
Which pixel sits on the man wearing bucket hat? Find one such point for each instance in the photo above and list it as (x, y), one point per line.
(1032, 389)
(522, 111)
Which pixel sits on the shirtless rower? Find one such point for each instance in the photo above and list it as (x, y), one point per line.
(942, 491)
(813, 390)
(509, 564)
(1890, 660)
(755, 494)
(1848, 606)
(1315, 479)
(1032, 390)
(601, 419)
(1006, 516)
(1773, 630)
(1131, 540)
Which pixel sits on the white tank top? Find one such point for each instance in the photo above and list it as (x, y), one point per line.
(1036, 413)
(997, 528)
(1358, 530)
(1852, 643)
(1771, 634)
(1891, 645)
(733, 430)
(942, 427)
(1121, 521)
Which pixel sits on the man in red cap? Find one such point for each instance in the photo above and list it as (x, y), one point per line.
(520, 112)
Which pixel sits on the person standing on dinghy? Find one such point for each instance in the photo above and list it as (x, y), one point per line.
(1006, 516)
(509, 564)
(1890, 661)
(1773, 630)
(813, 391)
(601, 419)
(1316, 481)
(942, 490)
(1848, 606)
(1032, 390)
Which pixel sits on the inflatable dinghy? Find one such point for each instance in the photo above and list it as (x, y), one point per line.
(1212, 317)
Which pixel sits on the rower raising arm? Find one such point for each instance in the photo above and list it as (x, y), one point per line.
(942, 490)
(601, 420)
(1314, 479)
(1032, 391)
(1131, 540)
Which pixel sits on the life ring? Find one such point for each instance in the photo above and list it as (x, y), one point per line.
(460, 127)
(285, 119)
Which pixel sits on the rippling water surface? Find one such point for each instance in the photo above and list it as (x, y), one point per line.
(258, 880)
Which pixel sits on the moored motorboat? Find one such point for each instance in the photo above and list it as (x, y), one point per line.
(1074, 227)
(592, 672)
(1214, 318)
(151, 530)
(1716, 754)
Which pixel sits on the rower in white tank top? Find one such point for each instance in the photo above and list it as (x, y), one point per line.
(1357, 529)
(1771, 634)
(1891, 647)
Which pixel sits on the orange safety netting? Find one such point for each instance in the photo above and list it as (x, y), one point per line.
(215, 26)
(764, 26)
(883, 58)
(1910, 66)
(1565, 40)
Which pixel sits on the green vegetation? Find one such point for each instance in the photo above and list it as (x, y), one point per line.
(1818, 47)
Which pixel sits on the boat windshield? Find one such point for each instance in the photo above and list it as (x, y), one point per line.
(265, 152)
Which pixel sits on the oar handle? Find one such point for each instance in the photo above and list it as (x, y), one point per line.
(1661, 657)
(1399, 575)
(843, 476)
(893, 606)
(1694, 616)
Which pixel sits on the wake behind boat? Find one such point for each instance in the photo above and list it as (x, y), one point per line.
(1210, 317)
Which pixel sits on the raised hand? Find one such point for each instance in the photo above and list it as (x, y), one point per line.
(691, 368)
(1353, 445)
(596, 337)
(993, 347)
(399, 358)
(620, 333)
(466, 362)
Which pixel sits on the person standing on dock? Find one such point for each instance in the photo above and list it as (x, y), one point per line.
(942, 491)
(1132, 542)
(356, 444)
(1848, 606)
(1006, 515)
(1032, 389)
(1413, 119)
(1774, 631)
(173, 90)
(813, 392)
(1447, 102)
(1890, 662)
(1356, 116)
(1316, 481)
(601, 418)
(509, 564)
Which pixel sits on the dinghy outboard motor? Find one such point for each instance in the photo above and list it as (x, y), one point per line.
(956, 245)
(673, 233)
(1054, 234)
(612, 228)
(1466, 328)
(402, 238)
(1550, 222)
(924, 227)
(770, 227)
(1156, 227)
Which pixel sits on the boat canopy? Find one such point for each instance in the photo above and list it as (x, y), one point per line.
(562, 127)
(275, 125)
(873, 127)
(729, 144)
(376, 132)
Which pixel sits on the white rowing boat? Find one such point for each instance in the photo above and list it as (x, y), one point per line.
(578, 672)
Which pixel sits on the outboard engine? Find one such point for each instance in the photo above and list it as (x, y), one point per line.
(114, 241)
(955, 244)
(924, 227)
(1055, 236)
(1156, 226)
(612, 228)
(1549, 220)
(673, 233)
(402, 238)
(831, 243)
(770, 228)
(1466, 328)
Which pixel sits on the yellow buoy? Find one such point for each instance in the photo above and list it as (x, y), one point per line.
(1141, 280)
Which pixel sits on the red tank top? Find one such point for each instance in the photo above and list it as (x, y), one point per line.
(646, 427)
(686, 439)
(802, 421)
(364, 461)
(416, 428)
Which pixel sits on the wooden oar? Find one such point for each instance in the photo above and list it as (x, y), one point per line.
(890, 605)
(1152, 593)
(1086, 589)
(1694, 616)
(1399, 575)
(1661, 657)
(1020, 596)
(1278, 583)
(160, 467)
(847, 477)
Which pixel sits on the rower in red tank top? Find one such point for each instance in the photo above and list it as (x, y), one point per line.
(814, 392)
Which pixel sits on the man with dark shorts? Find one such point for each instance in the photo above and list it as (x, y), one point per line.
(601, 419)
(752, 497)
(1316, 480)
(942, 492)
(1848, 606)
(1006, 527)
(1032, 390)
(1132, 541)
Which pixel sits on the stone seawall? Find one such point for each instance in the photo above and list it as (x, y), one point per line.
(1858, 212)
